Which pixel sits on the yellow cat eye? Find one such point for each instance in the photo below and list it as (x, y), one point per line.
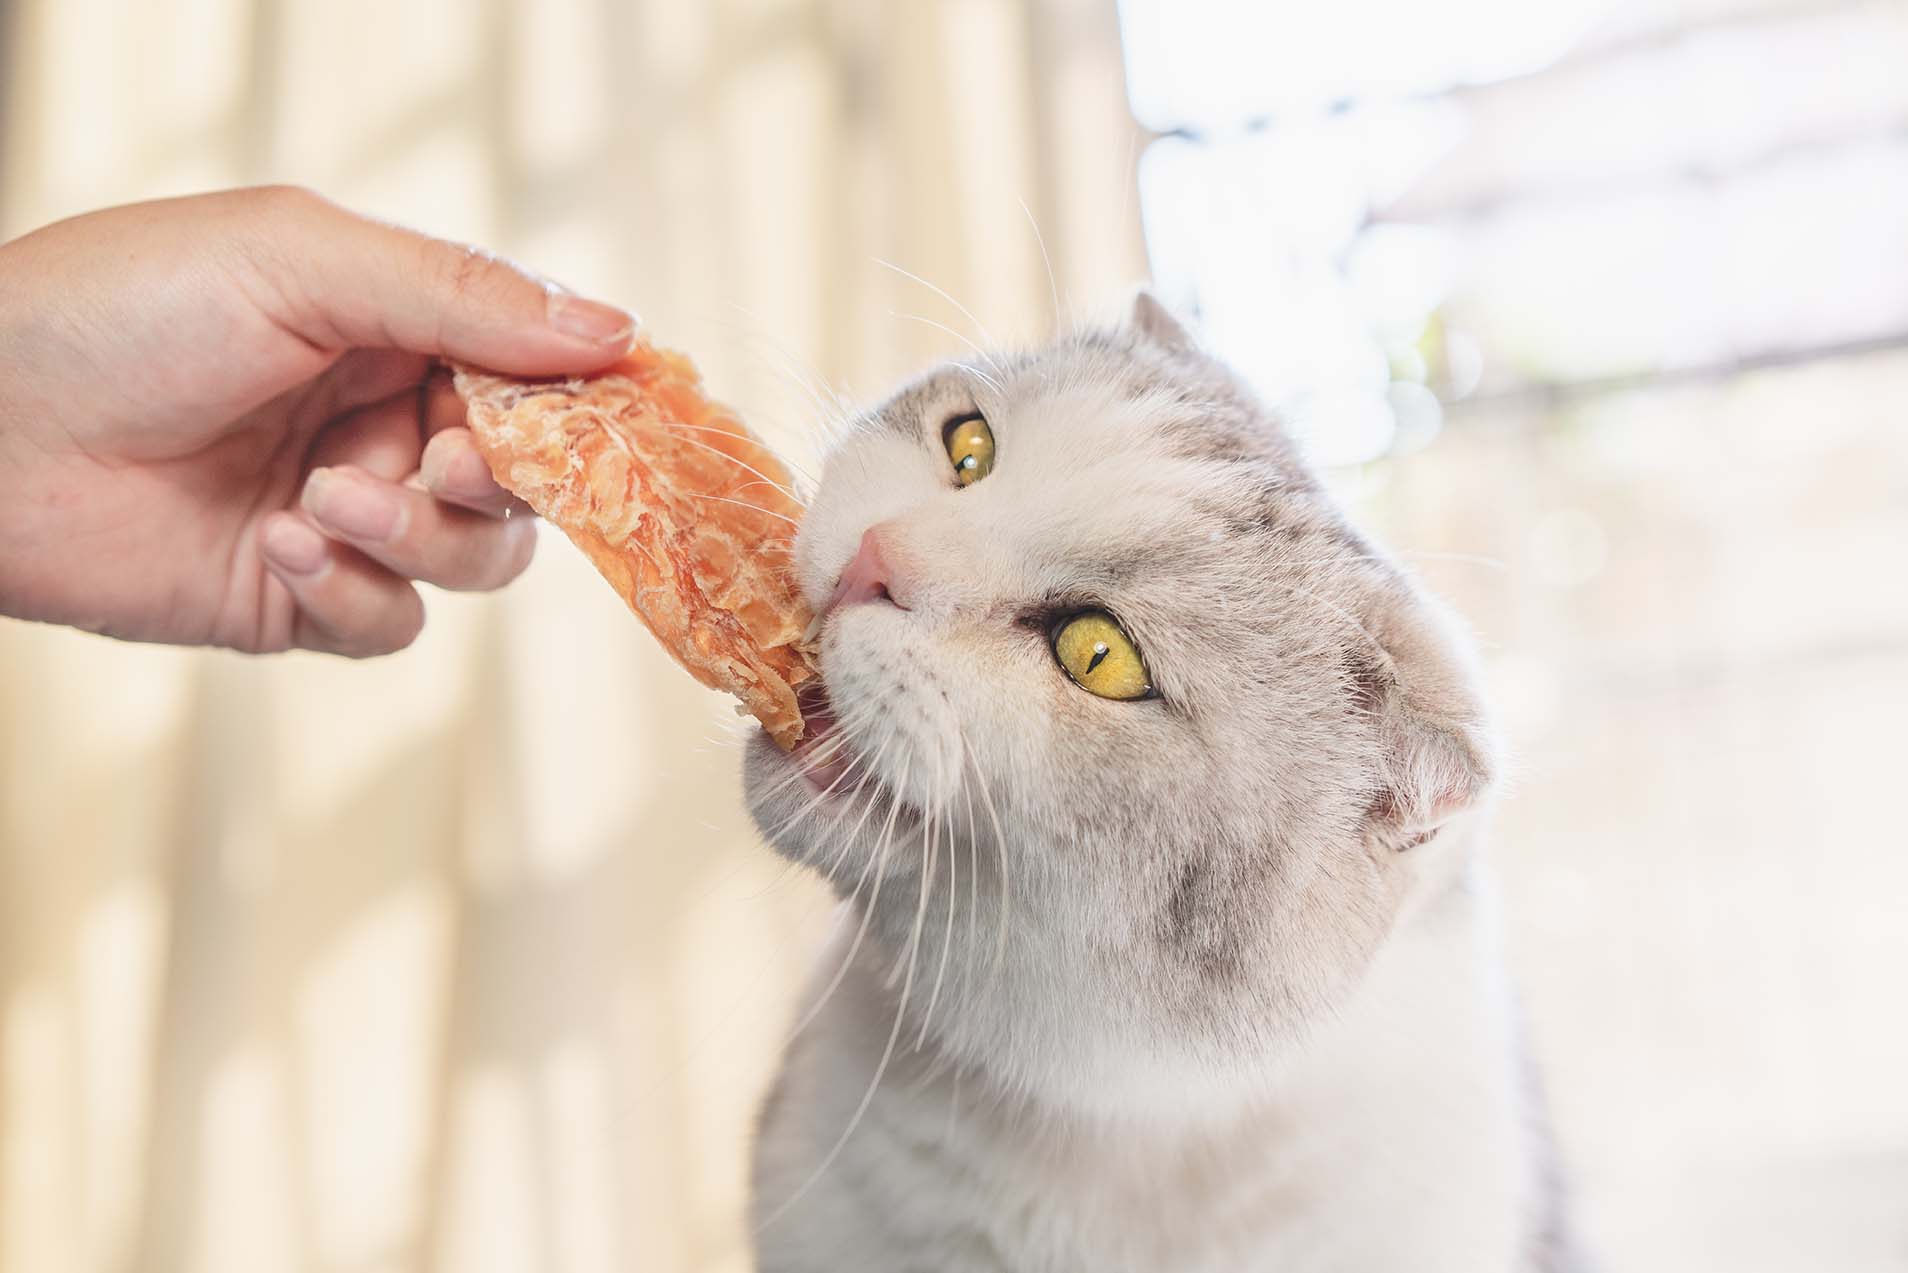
(1100, 657)
(970, 445)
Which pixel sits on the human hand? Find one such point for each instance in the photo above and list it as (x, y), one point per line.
(219, 423)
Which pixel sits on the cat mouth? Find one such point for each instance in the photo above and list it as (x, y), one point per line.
(823, 751)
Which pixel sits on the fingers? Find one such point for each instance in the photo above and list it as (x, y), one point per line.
(345, 604)
(345, 281)
(381, 438)
(405, 529)
(451, 468)
(454, 472)
(347, 558)
(376, 513)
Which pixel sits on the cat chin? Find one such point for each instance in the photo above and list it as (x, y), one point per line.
(803, 808)
(822, 755)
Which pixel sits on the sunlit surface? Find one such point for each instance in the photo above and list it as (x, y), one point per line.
(366, 1023)
(247, 1209)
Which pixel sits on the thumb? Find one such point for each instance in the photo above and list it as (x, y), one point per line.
(346, 281)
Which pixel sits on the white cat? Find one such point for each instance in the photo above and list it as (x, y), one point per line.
(1155, 795)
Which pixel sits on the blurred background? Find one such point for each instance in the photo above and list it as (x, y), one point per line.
(466, 959)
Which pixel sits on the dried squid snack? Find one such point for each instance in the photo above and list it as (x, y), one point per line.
(686, 513)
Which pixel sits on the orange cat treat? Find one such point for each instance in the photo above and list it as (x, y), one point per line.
(680, 507)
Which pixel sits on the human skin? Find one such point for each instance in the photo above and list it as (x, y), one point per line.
(220, 423)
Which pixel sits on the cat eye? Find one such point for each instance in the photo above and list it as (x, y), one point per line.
(1100, 657)
(970, 446)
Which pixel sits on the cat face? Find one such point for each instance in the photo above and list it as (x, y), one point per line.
(1138, 750)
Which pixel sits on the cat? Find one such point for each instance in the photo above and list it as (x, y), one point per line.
(1155, 794)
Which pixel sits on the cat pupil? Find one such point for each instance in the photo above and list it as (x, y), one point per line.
(1099, 654)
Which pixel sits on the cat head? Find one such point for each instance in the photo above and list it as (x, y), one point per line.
(1138, 750)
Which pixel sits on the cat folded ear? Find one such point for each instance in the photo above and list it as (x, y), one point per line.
(1151, 319)
(1436, 755)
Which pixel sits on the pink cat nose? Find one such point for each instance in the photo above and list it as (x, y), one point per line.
(867, 578)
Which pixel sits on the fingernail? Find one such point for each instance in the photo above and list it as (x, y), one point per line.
(593, 321)
(353, 508)
(293, 548)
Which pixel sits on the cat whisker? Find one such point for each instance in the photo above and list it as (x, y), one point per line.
(1000, 847)
(973, 888)
(861, 929)
(881, 1069)
(831, 404)
(854, 794)
(1338, 610)
(842, 849)
(860, 762)
(1053, 288)
(740, 503)
(679, 426)
(947, 938)
(790, 366)
(742, 464)
(751, 486)
(833, 745)
(965, 312)
(976, 372)
(814, 802)
(815, 1009)
(809, 807)
(930, 846)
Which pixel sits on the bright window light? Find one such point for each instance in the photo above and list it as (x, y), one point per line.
(1286, 128)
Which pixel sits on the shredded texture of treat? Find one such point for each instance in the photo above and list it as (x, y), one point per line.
(687, 514)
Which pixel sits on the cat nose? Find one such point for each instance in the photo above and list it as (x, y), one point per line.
(868, 577)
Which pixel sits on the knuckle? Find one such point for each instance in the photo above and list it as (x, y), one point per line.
(270, 250)
(286, 200)
(466, 270)
(463, 280)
